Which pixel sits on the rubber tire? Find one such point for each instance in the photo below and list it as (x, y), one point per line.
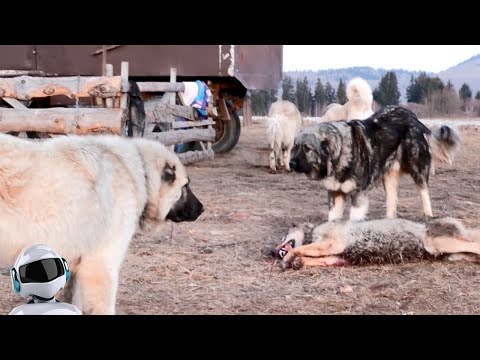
(230, 135)
(226, 143)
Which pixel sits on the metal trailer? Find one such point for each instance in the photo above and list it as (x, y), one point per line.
(229, 70)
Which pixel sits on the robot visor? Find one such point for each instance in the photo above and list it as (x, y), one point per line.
(41, 271)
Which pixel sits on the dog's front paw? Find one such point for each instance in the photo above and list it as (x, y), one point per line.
(273, 171)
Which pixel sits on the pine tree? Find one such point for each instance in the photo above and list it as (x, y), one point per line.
(477, 96)
(423, 88)
(261, 101)
(465, 92)
(414, 92)
(319, 98)
(387, 91)
(303, 96)
(341, 93)
(329, 93)
(309, 97)
(288, 92)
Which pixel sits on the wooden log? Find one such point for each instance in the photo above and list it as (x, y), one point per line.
(26, 87)
(79, 121)
(159, 115)
(109, 73)
(187, 112)
(158, 112)
(21, 72)
(148, 86)
(190, 157)
(187, 124)
(168, 138)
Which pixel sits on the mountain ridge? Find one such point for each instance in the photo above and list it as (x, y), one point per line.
(467, 71)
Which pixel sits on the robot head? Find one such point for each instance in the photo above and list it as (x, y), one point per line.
(39, 271)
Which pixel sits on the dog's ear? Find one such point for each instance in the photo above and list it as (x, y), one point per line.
(324, 159)
(169, 173)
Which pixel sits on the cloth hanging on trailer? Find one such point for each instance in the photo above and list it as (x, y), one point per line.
(198, 95)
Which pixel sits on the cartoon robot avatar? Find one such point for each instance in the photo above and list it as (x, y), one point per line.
(40, 273)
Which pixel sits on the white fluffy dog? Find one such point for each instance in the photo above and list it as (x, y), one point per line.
(284, 123)
(358, 106)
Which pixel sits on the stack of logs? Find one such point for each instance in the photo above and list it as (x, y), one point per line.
(165, 113)
(110, 112)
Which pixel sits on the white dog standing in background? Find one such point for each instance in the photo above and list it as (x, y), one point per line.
(358, 106)
(284, 123)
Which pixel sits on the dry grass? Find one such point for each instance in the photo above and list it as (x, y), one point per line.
(220, 264)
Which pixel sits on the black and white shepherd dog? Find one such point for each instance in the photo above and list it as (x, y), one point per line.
(349, 157)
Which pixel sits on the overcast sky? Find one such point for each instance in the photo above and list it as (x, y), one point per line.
(434, 58)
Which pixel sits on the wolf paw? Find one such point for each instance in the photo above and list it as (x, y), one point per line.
(297, 263)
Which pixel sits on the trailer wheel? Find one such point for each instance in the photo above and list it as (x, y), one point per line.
(227, 133)
(226, 137)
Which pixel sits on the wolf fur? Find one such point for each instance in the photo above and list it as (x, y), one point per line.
(382, 241)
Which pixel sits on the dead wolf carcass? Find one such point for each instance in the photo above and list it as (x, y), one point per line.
(381, 241)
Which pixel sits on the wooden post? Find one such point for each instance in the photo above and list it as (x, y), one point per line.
(173, 96)
(173, 79)
(247, 110)
(104, 60)
(98, 100)
(124, 97)
(109, 72)
(124, 75)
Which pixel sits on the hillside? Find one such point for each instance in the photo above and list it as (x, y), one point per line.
(371, 75)
(467, 71)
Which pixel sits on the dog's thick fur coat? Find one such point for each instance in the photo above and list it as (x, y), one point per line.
(84, 196)
(284, 123)
(350, 157)
(359, 105)
(381, 241)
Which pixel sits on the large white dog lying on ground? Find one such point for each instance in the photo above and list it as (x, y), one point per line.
(380, 241)
(84, 196)
(284, 123)
(358, 107)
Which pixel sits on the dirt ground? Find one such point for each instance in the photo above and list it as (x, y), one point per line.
(220, 263)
